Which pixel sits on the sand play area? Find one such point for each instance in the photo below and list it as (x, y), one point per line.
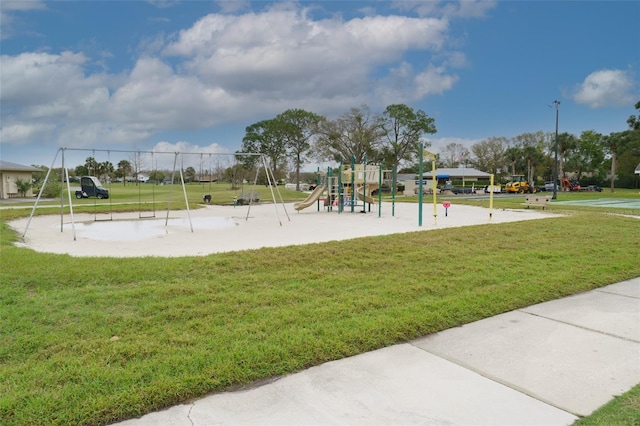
(219, 229)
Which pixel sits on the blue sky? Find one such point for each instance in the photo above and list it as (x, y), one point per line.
(190, 76)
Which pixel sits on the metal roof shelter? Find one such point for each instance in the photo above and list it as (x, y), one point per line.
(458, 173)
(14, 167)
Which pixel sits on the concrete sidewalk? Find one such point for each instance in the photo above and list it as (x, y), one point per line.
(546, 364)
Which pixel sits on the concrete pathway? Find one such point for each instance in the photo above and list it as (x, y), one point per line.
(546, 364)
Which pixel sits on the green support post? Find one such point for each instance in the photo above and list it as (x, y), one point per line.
(393, 190)
(433, 186)
(420, 177)
(380, 191)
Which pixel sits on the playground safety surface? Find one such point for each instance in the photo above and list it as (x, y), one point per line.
(216, 229)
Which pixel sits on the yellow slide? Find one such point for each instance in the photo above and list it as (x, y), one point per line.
(368, 198)
(313, 197)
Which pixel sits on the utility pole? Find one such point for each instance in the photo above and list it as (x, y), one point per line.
(556, 103)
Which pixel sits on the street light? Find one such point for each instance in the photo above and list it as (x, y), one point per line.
(555, 164)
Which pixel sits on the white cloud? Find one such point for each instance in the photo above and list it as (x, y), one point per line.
(606, 88)
(403, 84)
(473, 8)
(434, 81)
(24, 133)
(281, 56)
(37, 78)
(227, 6)
(438, 144)
(208, 157)
(447, 9)
(8, 11)
(225, 68)
(163, 4)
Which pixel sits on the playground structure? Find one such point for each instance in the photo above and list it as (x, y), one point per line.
(312, 198)
(347, 186)
(261, 161)
(362, 182)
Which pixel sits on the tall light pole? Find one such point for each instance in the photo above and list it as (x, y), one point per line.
(555, 164)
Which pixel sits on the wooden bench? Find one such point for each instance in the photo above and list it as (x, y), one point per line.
(537, 200)
(248, 197)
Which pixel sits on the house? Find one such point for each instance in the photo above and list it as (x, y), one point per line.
(10, 174)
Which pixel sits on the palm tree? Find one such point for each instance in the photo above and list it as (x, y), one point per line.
(566, 143)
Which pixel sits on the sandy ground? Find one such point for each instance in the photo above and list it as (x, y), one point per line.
(219, 229)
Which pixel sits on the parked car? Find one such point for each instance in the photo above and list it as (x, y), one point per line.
(548, 186)
(594, 188)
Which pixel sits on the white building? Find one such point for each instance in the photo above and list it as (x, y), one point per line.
(10, 174)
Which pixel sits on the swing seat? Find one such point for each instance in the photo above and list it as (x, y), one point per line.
(206, 198)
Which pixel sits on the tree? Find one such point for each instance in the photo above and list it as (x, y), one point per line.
(532, 147)
(190, 174)
(628, 159)
(489, 155)
(566, 144)
(124, 170)
(91, 166)
(105, 170)
(355, 134)
(235, 175)
(624, 151)
(634, 121)
(298, 127)
(136, 166)
(156, 176)
(266, 137)
(626, 147)
(588, 155)
(81, 171)
(533, 157)
(512, 155)
(453, 154)
(402, 130)
(38, 177)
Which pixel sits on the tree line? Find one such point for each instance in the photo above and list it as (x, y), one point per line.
(392, 138)
(293, 138)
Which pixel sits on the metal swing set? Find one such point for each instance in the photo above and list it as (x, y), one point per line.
(65, 179)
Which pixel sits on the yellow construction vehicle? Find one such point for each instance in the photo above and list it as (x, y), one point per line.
(518, 184)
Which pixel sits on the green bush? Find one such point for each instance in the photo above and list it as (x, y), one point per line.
(52, 189)
(23, 186)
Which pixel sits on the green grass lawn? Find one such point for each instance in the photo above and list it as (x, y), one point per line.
(92, 341)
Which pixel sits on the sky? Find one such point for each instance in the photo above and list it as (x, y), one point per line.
(190, 76)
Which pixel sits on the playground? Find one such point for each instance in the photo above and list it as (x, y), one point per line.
(218, 229)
